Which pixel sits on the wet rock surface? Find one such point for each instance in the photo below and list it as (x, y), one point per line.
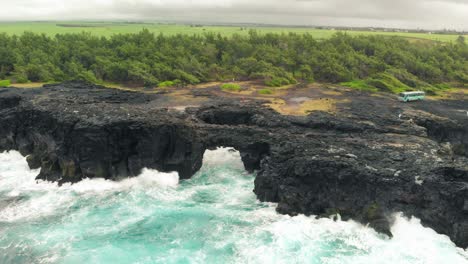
(374, 158)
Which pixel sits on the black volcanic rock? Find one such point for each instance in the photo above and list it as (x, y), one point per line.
(365, 163)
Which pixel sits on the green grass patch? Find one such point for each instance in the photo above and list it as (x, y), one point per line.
(380, 82)
(394, 81)
(443, 86)
(386, 82)
(5, 83)
(407, 78)
(437, 88)
(265, 91)
(232, 87)
(167, 84)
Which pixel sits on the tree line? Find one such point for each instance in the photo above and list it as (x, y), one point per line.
(277, 59)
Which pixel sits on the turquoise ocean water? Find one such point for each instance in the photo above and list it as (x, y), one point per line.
(212, 218)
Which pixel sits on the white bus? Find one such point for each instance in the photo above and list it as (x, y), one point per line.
(411, 96)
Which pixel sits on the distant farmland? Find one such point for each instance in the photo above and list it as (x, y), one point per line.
(108, 28)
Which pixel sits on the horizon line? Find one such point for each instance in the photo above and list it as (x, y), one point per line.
(255, 24)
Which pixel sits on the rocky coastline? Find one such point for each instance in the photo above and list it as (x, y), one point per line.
(374, 159)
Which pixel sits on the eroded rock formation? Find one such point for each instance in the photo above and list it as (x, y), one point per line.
(375, 158)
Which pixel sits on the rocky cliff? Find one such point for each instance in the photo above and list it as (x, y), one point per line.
(376, 158)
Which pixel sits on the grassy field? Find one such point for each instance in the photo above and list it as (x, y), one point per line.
(108, 29)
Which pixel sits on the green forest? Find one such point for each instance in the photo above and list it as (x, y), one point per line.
(363, 62)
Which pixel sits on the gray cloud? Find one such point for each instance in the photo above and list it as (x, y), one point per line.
(388, 13)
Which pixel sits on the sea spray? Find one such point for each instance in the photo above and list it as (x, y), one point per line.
(212, 218)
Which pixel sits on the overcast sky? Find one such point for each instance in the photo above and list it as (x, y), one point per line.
(435, 14)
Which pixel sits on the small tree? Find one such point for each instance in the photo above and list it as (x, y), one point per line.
(306, 73)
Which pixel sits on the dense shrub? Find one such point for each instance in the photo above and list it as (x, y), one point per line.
(87, 76)
(277, 82)
(167, 84)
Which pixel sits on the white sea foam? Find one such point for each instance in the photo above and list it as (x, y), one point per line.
(148, 178)
(16, 175)
(17, 180)
(300, 238)
(107, 208)
(222, 156)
